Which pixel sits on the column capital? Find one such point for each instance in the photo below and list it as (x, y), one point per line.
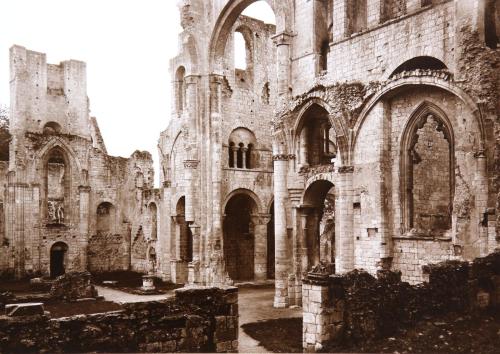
(346, 169)
(295, 195)
(260, 219)
(283, 38)
(216, 79)
(167, 184)
(283, 157)
(84, 189)
(191, 164)
(191, 79)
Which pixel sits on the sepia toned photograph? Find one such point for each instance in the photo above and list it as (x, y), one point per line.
(252, 176)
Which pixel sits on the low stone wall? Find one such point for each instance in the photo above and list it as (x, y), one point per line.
(195, 320)
(359, 307)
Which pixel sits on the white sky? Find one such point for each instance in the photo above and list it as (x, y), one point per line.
(126, 44)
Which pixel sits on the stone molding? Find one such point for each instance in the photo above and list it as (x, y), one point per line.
(191, 79)
(191, 164)
(84, 189)
(283, 157)
(346, 169)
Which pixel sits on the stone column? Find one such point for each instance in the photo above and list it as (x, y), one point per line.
(217, 274)
(314, 234)
(304, 215)
(282, 262)
(283, 41)
(191, 82)
(303, 145)
(194, 265)
(344, 238)
(190, 167)
(481, 202)
(234, 151)
(244, 157)
(260, 222)
(84, 223)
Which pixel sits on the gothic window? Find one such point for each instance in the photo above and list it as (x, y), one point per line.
(428, 176)
(241, 149)
(57, 187)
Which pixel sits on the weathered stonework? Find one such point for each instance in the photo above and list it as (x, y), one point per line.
(388, 110)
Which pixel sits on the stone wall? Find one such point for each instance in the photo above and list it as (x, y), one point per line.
(195, 320)
(359, 307)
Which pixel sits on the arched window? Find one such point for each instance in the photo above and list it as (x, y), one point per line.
(323, 31)
(358, 15)
(105, 218)
(180, 89)
(242, 149)
(427, 174)
(51, 128)
(57, 185)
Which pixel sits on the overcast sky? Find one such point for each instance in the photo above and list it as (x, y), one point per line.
(126, 44)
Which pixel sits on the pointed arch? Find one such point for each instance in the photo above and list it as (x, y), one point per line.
(42, 155)
(421, 116)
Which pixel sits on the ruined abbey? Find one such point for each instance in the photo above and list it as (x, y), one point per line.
(359, 134)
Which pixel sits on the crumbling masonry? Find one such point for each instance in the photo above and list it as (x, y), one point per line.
(363, 133)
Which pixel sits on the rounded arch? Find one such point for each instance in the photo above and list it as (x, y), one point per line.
(242, 135)
(180, 206)
(396, 85)
(52, 128)
(58, 258)
(336, 123)
(246, 192)
(315, 193)
(228, 16)
(420, 62)
(415, 52)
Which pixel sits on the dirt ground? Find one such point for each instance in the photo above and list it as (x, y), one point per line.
(131, 282)
(453, 333)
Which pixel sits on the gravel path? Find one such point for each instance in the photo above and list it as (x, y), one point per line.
(123, 297)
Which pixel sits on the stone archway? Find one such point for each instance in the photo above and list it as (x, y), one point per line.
(318, 224)
(239, 237)
(58, 253)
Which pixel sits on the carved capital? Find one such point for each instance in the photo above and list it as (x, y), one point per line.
(346, 169)
(191, 164)
(167, 184)
(191, 79)
(283, 38)
(283, 157)
(216, 79)
(84, 189)
(261, 219)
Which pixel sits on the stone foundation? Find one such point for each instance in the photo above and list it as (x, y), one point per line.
(196, 320)
(359, 307)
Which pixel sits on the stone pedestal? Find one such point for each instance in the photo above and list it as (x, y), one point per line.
(148, 283)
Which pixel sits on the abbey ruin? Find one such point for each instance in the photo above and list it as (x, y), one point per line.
(362, 133)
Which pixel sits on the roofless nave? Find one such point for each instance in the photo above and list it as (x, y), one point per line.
(359, 132)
